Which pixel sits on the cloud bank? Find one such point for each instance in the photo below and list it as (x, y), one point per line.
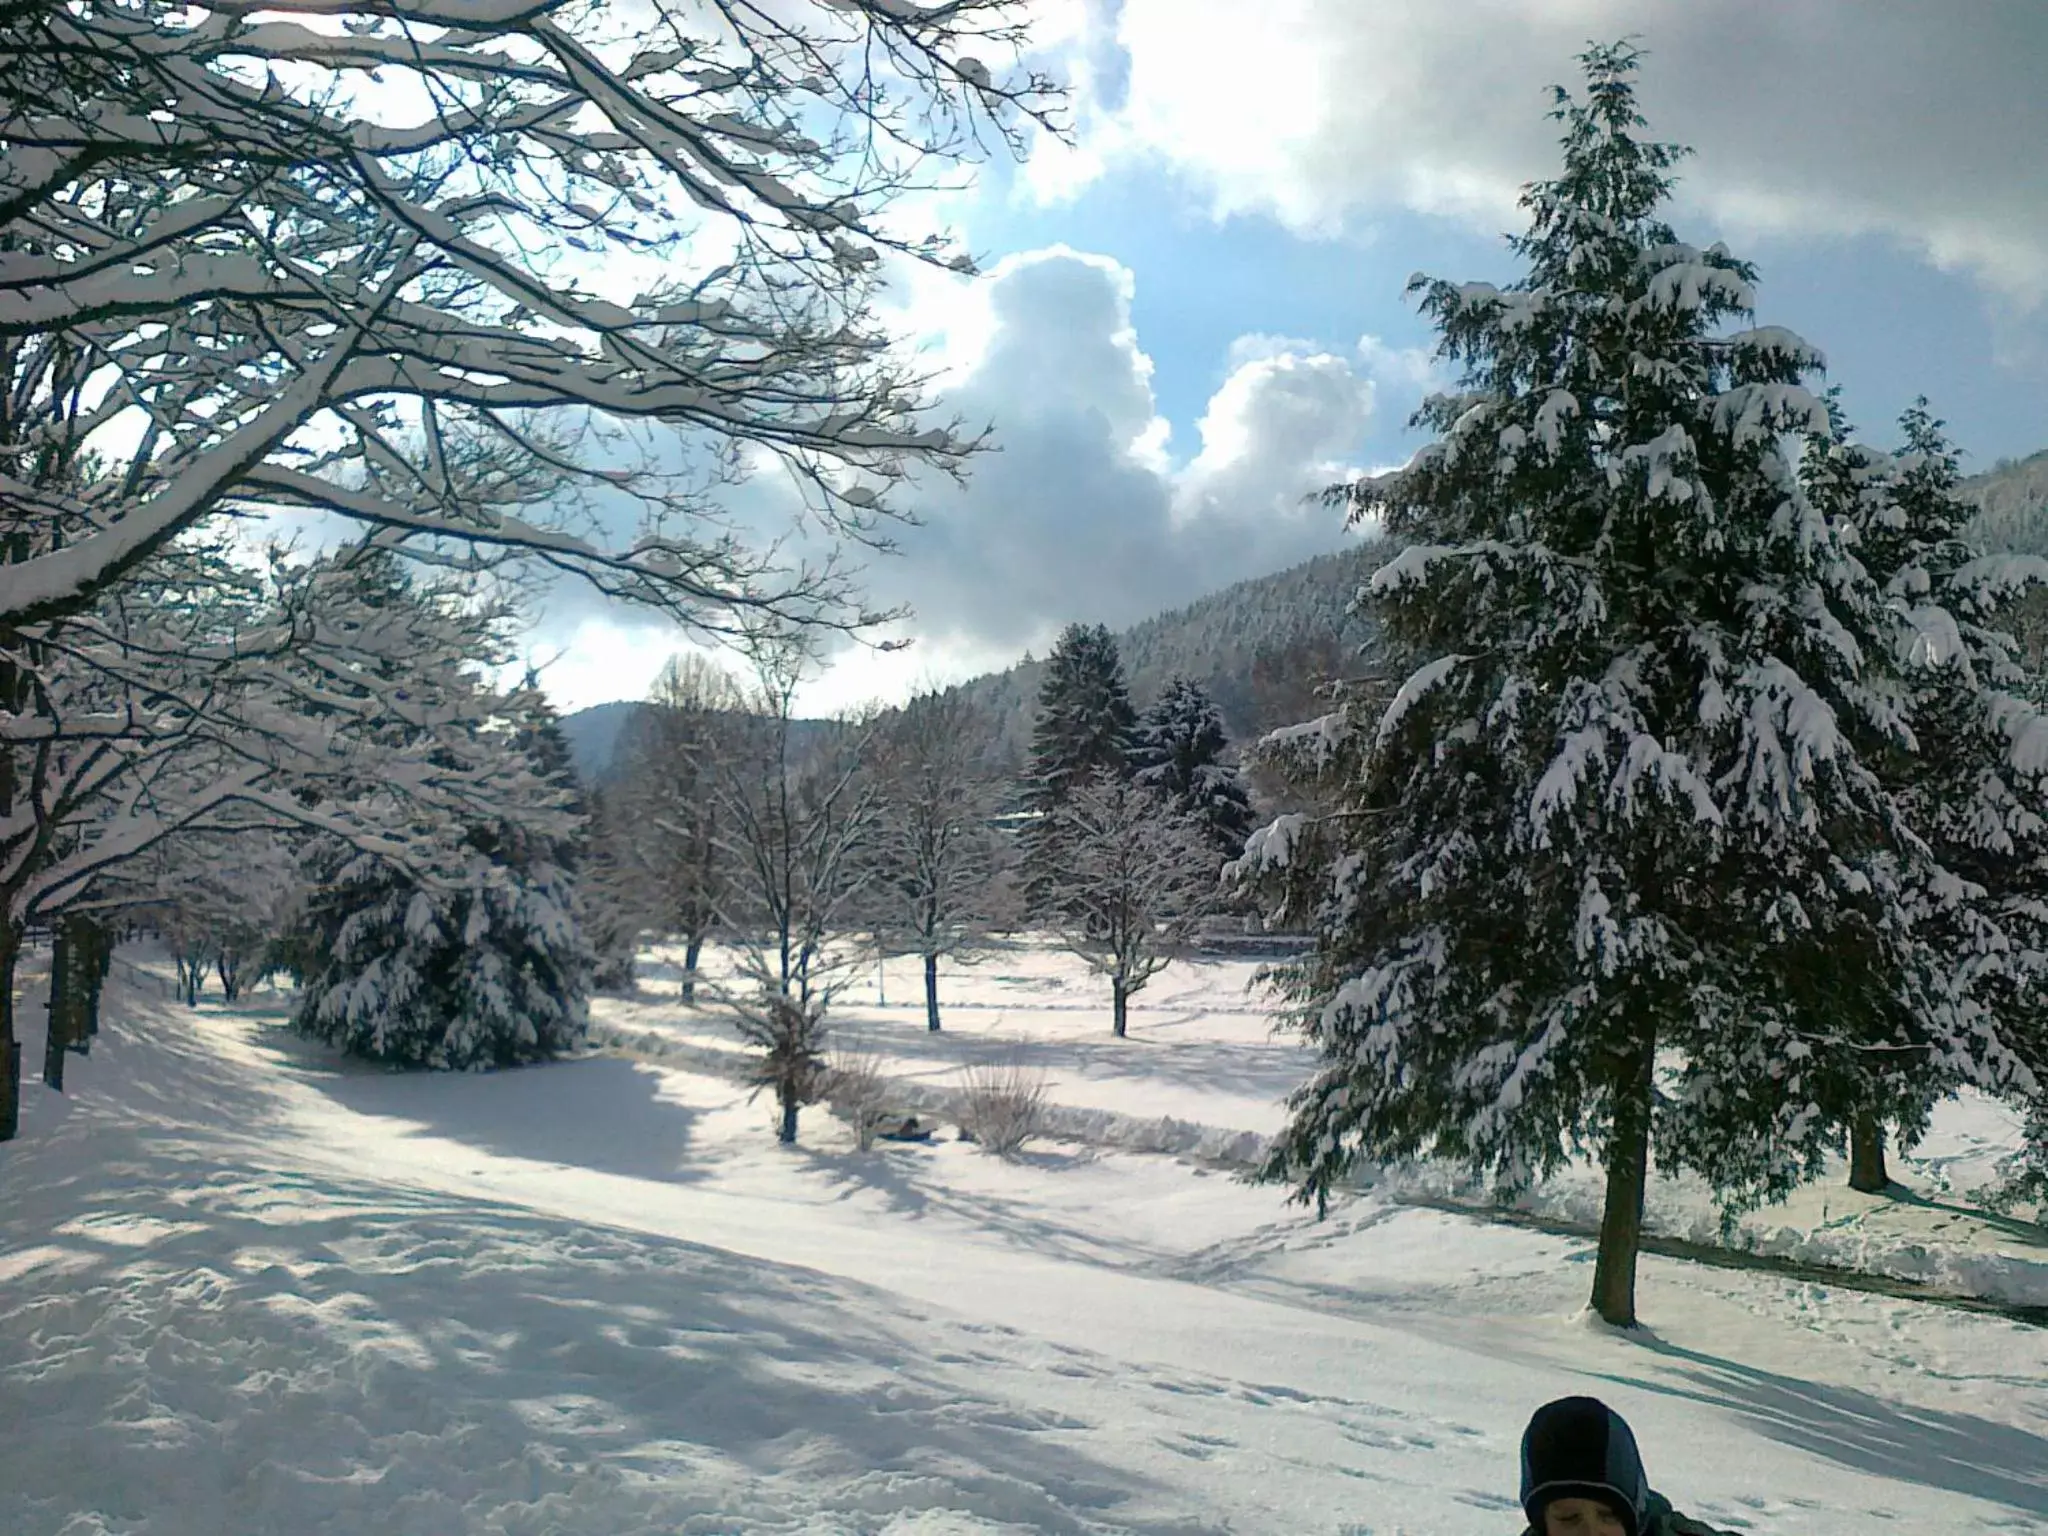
(1913, 121)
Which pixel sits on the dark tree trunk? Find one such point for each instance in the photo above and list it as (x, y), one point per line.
(97, 956)
(1867, 1171)
(227, 965)
(68, 975)
(1120, 1001)
(786, 1132)
(1628, 1167)
(58, 1023)
(931, 993)
(10, 1048)
(692, 949)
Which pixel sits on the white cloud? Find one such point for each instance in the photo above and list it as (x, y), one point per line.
(1917, 121)
(1083, 511)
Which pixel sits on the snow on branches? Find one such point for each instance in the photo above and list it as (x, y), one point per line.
(1642, 849)
(341, 258)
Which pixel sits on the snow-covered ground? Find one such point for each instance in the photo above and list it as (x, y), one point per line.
(247, 1288)
(1203, 1074)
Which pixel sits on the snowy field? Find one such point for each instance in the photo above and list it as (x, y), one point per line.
(1203, 1075)
(247, 1288)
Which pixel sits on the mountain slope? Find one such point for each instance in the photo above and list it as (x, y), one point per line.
(1260, 646)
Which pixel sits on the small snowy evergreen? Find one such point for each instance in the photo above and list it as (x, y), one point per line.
(1085, 726)
(1180, 749)
(469, 952)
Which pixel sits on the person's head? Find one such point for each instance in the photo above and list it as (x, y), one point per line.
(1581, 1472)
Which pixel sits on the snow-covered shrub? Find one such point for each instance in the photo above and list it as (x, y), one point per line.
(858, 1092)
(1002, 1105)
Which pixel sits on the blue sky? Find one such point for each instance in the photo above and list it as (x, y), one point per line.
(1192, 314)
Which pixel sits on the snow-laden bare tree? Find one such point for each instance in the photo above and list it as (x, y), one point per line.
(666, 794)
(793, 818)
(1136, 877)
(939, 868)
(1637, 774)
(218, 902)
(480, 275)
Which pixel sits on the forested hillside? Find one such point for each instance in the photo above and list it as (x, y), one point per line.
(1261, 646)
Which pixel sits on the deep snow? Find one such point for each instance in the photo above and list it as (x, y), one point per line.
(249, 1288)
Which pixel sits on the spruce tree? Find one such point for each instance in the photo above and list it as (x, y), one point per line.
(1180, 748)
(480, 959)
(1085, 726)
(1974, 784)
(1624, 783)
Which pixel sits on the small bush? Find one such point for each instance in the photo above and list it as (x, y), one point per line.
(856, 1091)
(1002, 1105)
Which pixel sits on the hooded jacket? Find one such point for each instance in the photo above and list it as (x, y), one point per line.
(1578, 1447)
(1660, 1519)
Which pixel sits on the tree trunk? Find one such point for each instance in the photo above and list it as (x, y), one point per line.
(786, 1133)
(1867, 1171)
(931, 993)
(1120, 1000)
(56, 1035)
(227, 965)
(10, 1048)
(97, 956)
(692, 948)
(1628, 1166)
(67, 988)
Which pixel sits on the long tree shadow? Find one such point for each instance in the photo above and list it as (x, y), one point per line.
(909, 1188)
(300, 1354)
(1956, 1452)
(602, 1113)
(2032, 1233)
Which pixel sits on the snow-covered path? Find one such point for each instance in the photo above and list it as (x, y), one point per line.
(248, 1290)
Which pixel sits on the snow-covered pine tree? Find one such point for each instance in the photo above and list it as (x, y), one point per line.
(1621, 783)
(1975, 784)
(1085, 725)
(1180, 748)
(470, 954)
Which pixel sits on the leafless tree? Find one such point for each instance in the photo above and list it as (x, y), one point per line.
(315, 248)
(940, 875)
(1135, 881)
(792, 816)
(343, 259)
(668, 797)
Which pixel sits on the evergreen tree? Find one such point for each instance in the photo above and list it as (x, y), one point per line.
(475, 958)
(1975, 781)
(1623, 786)
(1180, 753)
(1085, 725)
